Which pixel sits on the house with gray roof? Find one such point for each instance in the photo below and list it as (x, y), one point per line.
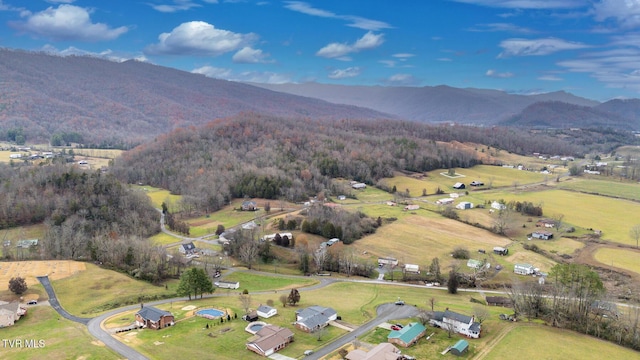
(266, 311)
(154, 318)
(270, 339)
(10, 313)
(314, 318)
(408, 335)
(461, 324)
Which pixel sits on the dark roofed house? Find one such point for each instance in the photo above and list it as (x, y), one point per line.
(10, 313)
(314, 318)
(460, 347)
(408, 335)
(543, 235)
(462, 324)
(498, 301)
(187, 249)
(153, 318)
(249, 206)
(270, 339)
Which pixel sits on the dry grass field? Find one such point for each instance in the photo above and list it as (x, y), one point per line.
(626, 259)
(56, 269)
(417, 239)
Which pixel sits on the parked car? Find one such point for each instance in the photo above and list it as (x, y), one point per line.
(395, 327)
(32, 302)
(308, 352)
(400, 302)
(476, 183)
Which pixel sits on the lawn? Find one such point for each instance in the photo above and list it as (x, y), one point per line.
(96, 290)
(560, 246)
(163, 239)
(62, 338)
(255, 282)
(613, 216)
(158, 196)
(620, 258)
(417, 239)
(543, 342)
(625, 190)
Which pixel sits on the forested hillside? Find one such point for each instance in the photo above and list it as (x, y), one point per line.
(116, 104)
(260, 156)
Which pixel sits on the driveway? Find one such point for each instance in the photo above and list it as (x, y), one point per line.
(385, 313)
(53, 301)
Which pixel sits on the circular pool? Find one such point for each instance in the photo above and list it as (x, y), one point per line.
(255, 326)
(210, 313)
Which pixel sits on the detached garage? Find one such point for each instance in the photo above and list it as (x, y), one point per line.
(460, 347)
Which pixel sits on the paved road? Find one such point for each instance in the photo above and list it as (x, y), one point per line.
(385, 313)
(53, 301)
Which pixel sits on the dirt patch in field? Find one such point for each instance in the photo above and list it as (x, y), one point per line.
(619, 283)
(29, 270)
(202, 222)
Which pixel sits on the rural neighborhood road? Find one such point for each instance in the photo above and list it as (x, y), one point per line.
(53, 301)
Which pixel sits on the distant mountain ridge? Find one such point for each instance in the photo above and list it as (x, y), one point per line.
(430, 103)
(133, 101)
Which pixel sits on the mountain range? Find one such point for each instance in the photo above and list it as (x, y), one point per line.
(136, 101)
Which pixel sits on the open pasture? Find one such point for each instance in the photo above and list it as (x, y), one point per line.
(98, 153)
(63, 339)
(158, 196)
(626, 259)
(56, 269)
(614, 217)
(545, 342)
(96, 290)
(610, 187)
(417, 239)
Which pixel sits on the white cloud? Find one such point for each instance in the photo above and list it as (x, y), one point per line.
(550, 78)
(177, 5)
(401, 79)
(106, 54)
(345, 73)
(625, 12)
(528, 4)
(388, 63)
(199, 38)
(403, 55)
(247, 55)
(68, 22)
(494, 74)
(617, 68)
(445, 59)
(247, 76)
(500, 27)
(60, 1)
(537, 47)
(354, 21)
(338, 50)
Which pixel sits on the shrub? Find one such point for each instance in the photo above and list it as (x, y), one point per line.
(460, 253)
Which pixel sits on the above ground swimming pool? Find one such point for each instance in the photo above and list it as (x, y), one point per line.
(210, 313)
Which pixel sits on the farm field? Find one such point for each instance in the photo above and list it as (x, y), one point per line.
(416, 239)
(96, 290)
(163, 239)
(63, 339)
(560, 246)
(543, 342)
(620, 258)
(614, 223)
(625, 190)
(56, 269)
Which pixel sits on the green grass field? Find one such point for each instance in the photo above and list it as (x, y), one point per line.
(163, 239)
(620, 258)
(254, 282)
(542, 342)
(158, 196)
(583, 210)
(97, 290)
(62, 338)
(613, 188)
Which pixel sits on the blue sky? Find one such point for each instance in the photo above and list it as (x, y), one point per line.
(589, 48)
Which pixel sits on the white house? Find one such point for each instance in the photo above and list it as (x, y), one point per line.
(333, 241)
(464, 205)
(474, 264)
(187, 248)
(412, 268)
(524, 269)
(265, 311)
(461, 324)
(498, 206)
(458, 185)
(445, 201)
(314, 318)
(382, 261)
(412, 207)
(227, 284)
(359, 186)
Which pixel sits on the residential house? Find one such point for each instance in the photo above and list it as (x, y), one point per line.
(412, 207)
(464, 205)
(269, 340)
(250, 316)
(548, 223)
(187, 249)
(408, 335)
(412, 268)
(461, 324)
(498, 301)
(383, 351)
(461, 347)
(359, 186)
(445, 201)
(382, 261)
(314, 318)
(26, 244)
(153, 318)
(498, 250)
(524, 269)
(249, 206)
(458, 185)
(265, 311)
(475, 264)
(10, 313)
(227, 284)
(542, 235)
(498, 205)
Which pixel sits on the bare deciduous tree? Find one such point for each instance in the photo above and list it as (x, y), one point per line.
(249, 253)
(635, 233)
(245, 301)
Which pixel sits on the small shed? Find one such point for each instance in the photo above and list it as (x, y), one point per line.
(458, 185)
(412, 207)
(412, 268)
(498, 250)
(542, 235)
(461, 347)
(464, 205)
(524, 269)
(266, 311)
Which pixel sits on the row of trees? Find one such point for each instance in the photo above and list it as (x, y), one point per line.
(331, 222)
